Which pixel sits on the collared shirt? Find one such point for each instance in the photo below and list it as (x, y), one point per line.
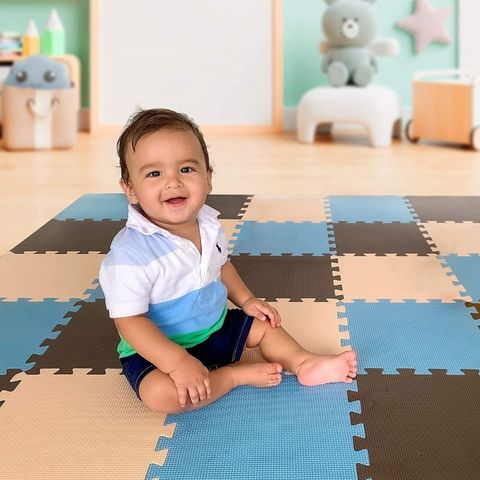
(150, 270)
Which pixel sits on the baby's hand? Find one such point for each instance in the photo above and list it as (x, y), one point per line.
(191, 379)
(262, 310)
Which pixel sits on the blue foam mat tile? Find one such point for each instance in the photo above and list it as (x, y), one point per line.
(420, 336)
(289, 432)
(369, 209)
(101, 206)
(277, 238)
(467, 271)
(94, 294)
(25, 325)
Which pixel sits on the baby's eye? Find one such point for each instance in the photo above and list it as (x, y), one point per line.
(155, 173)
(186, 169)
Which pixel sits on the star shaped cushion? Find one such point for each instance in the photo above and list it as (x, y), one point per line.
(427, 25)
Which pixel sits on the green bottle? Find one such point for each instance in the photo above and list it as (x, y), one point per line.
(53, 37)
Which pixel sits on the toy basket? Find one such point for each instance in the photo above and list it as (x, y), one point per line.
(446, 107)
(39, 119)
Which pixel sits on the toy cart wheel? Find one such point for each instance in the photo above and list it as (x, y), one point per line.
(408, 132)
(475, 138)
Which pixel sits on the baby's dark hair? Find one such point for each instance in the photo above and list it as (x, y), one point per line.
(146, 122)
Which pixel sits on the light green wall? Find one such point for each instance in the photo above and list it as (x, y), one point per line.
(302, 36)
(15, 14)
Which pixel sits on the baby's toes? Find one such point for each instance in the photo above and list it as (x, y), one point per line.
(273, 368)
(275, 379)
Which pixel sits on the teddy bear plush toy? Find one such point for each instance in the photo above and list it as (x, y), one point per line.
(350, 51)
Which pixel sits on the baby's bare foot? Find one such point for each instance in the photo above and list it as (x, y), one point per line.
(258, 374)
(319, 370)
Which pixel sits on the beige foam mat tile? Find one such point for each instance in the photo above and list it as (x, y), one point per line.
(39, 276)
(421, 278)
(455, 238)
(283, 209)
(229, 227)
(315, 325)
(77, 426)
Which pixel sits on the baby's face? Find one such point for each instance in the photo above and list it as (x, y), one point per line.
(168, 178)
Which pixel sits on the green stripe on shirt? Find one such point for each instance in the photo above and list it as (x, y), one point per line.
(186, 340)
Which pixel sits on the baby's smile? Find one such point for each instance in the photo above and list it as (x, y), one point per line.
(176, 201)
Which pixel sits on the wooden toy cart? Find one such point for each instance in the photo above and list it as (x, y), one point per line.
(446, 107)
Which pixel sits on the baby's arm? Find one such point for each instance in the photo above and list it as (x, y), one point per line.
(242, 297)
(189, 374)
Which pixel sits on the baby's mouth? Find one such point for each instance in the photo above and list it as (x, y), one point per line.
(175, 200)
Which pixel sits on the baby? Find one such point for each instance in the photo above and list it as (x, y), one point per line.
(167, 279)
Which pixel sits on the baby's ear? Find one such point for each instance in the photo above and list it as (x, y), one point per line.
(128, 190)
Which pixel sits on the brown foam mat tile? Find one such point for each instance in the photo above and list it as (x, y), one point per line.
(446, 208)
(294, 277)
(37, 277)
(55, 426)
(420, 278)
(455, 238)
(6, 381)
(64, 236)
(475, 315)
(315, 326)
(381, 238)
(418, 426)
(229, 206)
(88, 340)
(283, 209)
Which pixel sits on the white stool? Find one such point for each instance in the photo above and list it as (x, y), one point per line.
(375, 107)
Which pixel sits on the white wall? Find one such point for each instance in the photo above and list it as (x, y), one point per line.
(469, 35)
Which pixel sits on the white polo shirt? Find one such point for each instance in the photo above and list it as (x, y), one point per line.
(150, 270)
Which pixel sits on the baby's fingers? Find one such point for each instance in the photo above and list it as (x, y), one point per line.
(208, 388)
(272, 315)
(266, 312)
(182, 396)
(198, 393)
(276, 320)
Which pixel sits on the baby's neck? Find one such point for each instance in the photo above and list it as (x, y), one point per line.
(190, 232)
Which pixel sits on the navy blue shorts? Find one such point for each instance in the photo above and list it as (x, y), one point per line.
(222, 348)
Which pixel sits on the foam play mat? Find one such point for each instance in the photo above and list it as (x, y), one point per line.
(395, 278)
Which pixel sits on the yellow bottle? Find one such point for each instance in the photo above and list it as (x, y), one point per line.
(31, 40)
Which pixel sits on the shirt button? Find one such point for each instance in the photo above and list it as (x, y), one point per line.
(185, 245)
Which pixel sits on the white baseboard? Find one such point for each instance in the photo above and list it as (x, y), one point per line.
(289, 121)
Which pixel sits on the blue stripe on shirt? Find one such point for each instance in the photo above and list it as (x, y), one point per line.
(197, 310)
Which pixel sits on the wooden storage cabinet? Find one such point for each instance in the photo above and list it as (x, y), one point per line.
(446, 109)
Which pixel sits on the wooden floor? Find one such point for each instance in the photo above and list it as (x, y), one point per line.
(37, 185)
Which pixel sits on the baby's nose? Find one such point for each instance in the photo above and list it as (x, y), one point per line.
(173, 180)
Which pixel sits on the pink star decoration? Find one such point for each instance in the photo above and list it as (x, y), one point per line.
(427, 25)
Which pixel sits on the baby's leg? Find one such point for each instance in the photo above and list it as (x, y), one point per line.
(159, 394)
(277, 345)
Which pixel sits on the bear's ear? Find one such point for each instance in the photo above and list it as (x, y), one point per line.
(330, 2)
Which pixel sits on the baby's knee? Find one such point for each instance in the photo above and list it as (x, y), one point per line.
(162, 403)
(160, 398)
(257, 332)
